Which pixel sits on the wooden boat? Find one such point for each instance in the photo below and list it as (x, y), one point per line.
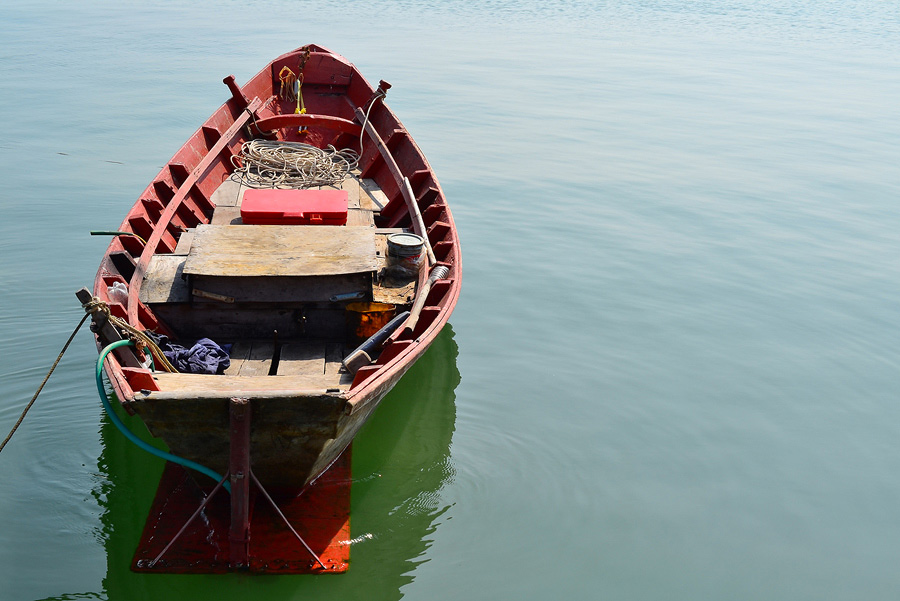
(194, 266)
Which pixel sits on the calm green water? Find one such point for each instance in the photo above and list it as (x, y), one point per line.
(673, 372)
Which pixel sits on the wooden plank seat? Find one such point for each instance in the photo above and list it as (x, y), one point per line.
(164, 281)
(301, 364)
(190, 385)
(280, 263)
(280, 251)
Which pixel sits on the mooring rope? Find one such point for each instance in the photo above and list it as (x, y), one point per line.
(140, 339)
(280, 164)
(41, 387)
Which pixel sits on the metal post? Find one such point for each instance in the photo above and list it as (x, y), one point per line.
(239, 468)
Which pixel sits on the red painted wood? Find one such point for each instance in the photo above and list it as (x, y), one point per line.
(156, 241)
(294, 207)
(239, 471)
(308, 120)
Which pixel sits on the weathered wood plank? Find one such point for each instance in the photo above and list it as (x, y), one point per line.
(394, 293)
(292, 290)
(302, 358)
(239, 352)
(184, 243)
(334, 354)
(371, 195)
(388, 290)
(259, 361)
(351, 185)
(164, 282)
(228, 194)
(360, 218)
(226, 216)
(281, 250)
(196, 385)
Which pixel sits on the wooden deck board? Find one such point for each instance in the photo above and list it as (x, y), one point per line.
(239, 352)
(303, 365)
(201, 383)
(302, 358)
(228, 194)
(334, 354)
(351, 185)
(371, 196)
(360, 218)
(226, 216)
(259, 360)
(387, 290)
(163, 282)
(184, 242)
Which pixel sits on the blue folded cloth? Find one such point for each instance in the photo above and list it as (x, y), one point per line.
(204, 357)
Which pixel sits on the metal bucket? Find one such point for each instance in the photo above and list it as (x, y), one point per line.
(405, 253)
(364, 319)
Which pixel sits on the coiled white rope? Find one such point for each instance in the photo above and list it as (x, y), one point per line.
(279, 164)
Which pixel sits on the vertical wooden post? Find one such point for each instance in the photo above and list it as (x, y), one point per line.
(239, 470)
(107, 333)
(236, 92)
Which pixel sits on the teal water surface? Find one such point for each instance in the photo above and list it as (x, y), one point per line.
(673, 370)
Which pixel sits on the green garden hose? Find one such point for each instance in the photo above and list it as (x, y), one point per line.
(131, 435)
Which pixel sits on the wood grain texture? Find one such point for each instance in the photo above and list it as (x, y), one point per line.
(360, 218)
(228, 194)
(214, 386)
(184, 243)
(351, 186)
(226, 216)
(259, 360)
(371, 196)
(281, 250)
(163, 282)
(239, 352)
(302, 358)
(334, 354)
(390, 290)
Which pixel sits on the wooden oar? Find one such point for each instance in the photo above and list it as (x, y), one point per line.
(413, 207)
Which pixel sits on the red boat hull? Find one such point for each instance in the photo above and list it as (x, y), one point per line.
(341, 106)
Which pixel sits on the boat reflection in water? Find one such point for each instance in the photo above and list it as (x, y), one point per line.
(401, 462)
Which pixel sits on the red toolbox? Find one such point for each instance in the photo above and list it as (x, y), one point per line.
(294, 207)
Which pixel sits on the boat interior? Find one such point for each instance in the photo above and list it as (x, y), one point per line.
(282, 296)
